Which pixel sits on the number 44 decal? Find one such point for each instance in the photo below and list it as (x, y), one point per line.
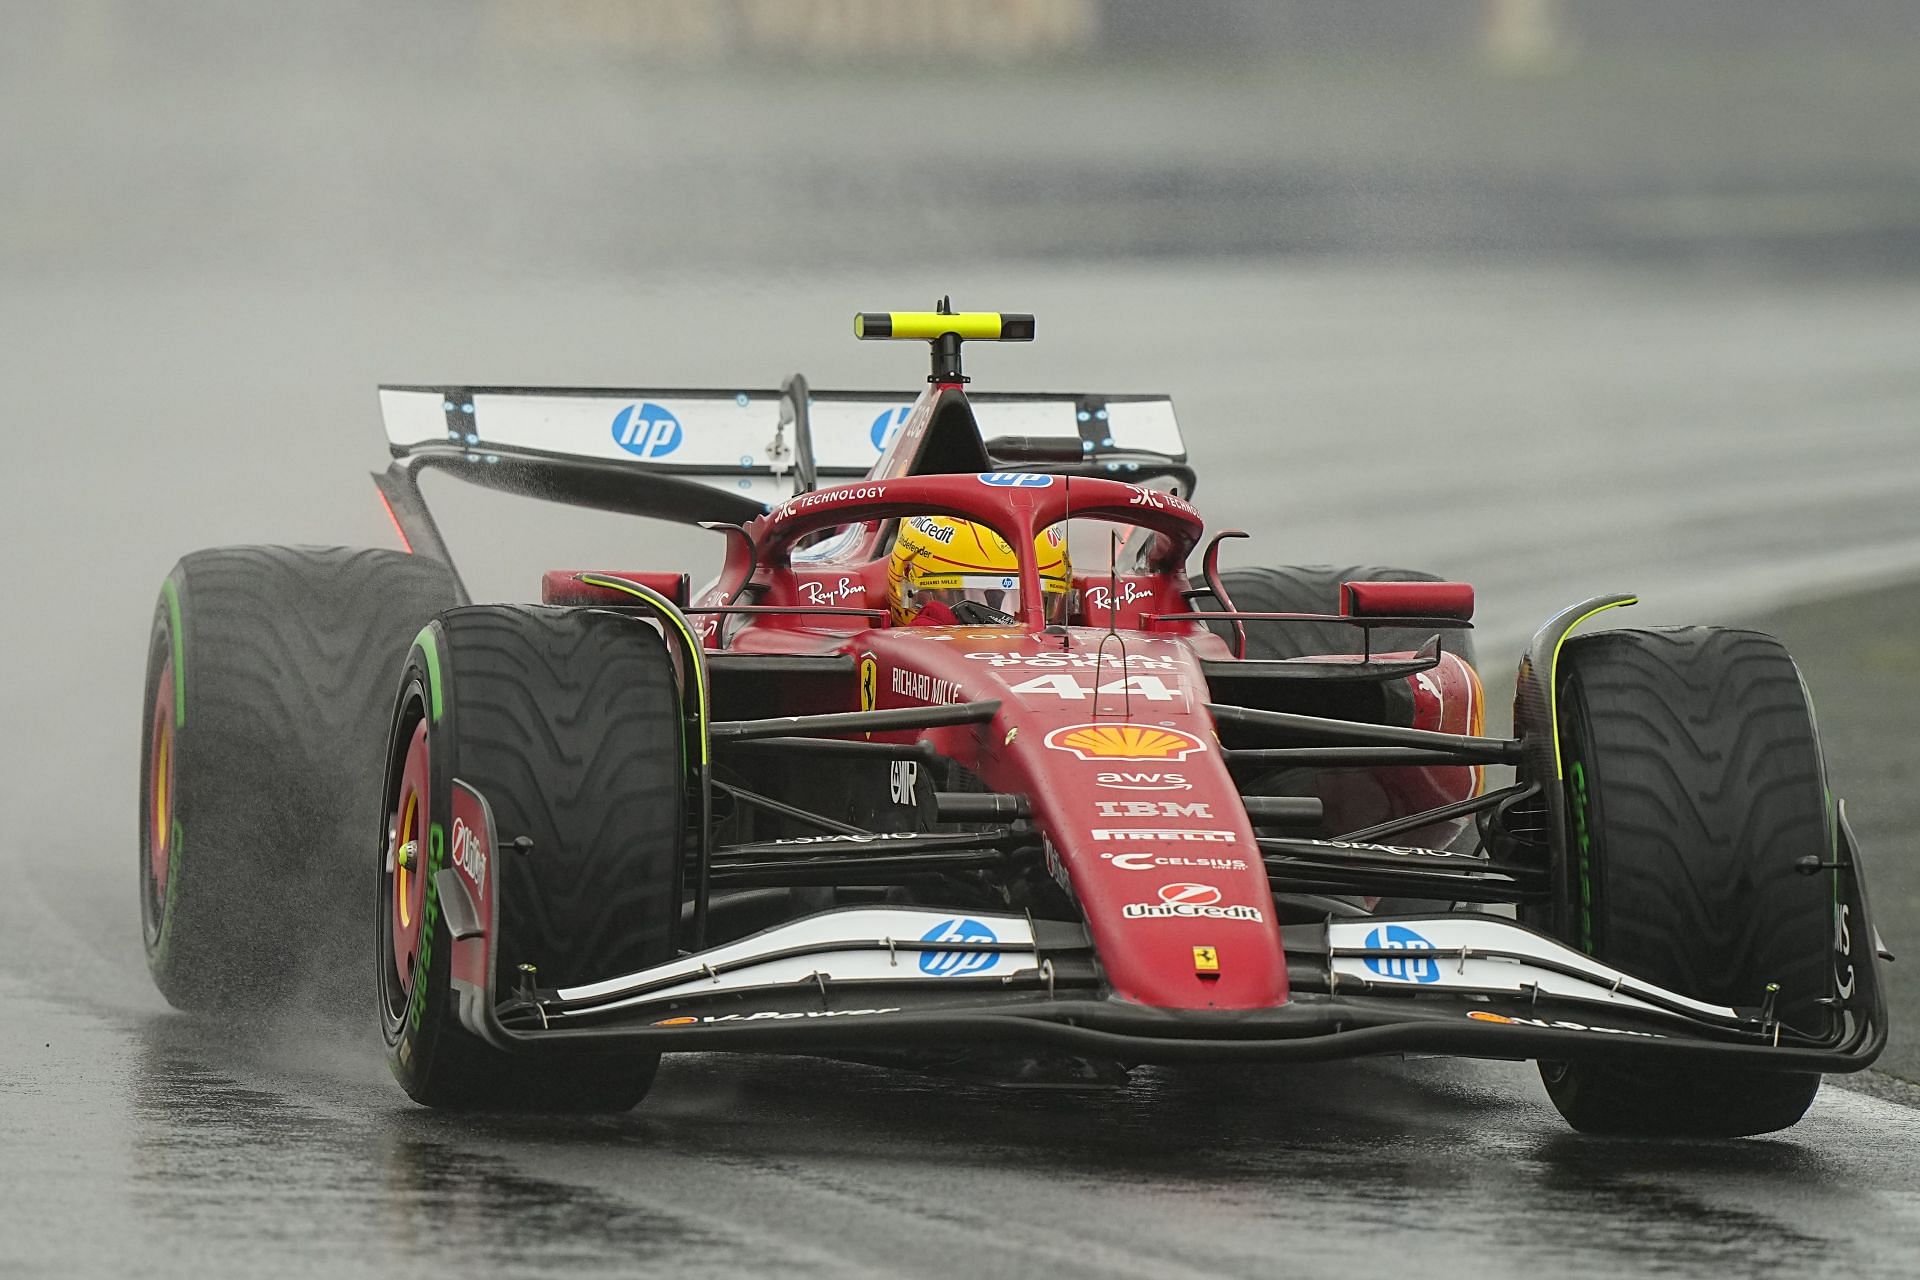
(1060, 684)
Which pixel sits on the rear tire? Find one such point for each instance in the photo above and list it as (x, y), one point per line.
(1315, 588)
(269, 671)
(1694, 783)
(568, 722)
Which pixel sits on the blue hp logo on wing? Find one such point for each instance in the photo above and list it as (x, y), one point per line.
(887, 426)
(1417, 965)
(647, 430)
(949, 964)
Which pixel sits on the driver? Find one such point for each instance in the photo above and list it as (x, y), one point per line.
(946, 571)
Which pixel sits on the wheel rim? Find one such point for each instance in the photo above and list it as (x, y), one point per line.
(407, 839)
(160, 821)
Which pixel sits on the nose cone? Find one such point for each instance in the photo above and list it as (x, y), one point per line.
(1145, 827)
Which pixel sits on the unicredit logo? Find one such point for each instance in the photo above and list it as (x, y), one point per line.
(1187, 911)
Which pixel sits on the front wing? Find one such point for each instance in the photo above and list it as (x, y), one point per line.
(863, 978)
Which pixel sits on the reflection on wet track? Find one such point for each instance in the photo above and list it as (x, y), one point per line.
(292, 1153)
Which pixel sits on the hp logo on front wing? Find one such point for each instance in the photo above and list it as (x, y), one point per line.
(1418, 965)
(951, 964)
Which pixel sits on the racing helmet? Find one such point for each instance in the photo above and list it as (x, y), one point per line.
(946, 571)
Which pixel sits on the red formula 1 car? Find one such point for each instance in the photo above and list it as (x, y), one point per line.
(955, 764)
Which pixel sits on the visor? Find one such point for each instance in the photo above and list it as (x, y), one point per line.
(999, 592)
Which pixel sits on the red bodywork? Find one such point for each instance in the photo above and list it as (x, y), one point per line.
(1106, 731)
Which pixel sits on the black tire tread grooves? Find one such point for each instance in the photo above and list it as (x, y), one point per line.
(290, 655)
(1705, 785)
(568, 722)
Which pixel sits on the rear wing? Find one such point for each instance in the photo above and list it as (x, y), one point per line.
(727, 456)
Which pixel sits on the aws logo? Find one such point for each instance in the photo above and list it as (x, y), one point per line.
(647, 430)
(887, 426)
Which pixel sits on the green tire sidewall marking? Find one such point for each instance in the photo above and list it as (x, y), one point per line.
(429, 920)
(1583, 840)
(171, 594)
(429, 646)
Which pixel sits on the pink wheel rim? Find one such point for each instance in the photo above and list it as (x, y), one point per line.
(160, 787)
(407, 858)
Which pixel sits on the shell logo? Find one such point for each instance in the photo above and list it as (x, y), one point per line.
(1124, 742)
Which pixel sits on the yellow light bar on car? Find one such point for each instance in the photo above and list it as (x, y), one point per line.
(929, 326)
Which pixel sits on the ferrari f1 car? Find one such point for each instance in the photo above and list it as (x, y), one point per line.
(957, 762)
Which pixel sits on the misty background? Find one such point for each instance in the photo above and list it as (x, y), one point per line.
(1557, 296)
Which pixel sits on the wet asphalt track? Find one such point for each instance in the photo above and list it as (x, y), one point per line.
(178, 1153)
(134, 1141)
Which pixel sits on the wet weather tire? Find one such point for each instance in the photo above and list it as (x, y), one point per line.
(1316, 589)
(568, 723)
(1694, 783)
(269, 677)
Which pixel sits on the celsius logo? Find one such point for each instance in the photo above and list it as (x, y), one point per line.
(949, 964)
(647, 430)
(1149, 861)
(887, 426)
(1015, 480)
(1416, 966)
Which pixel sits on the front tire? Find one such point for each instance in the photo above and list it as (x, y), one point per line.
(567, 721)
(1694, 782)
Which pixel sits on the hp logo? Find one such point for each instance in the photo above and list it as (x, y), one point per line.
(1015, 480)
(1417, 965)
(647, 430)
(887, 426)
(949, 964)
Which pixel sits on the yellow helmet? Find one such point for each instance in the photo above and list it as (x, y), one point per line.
(948, 571)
